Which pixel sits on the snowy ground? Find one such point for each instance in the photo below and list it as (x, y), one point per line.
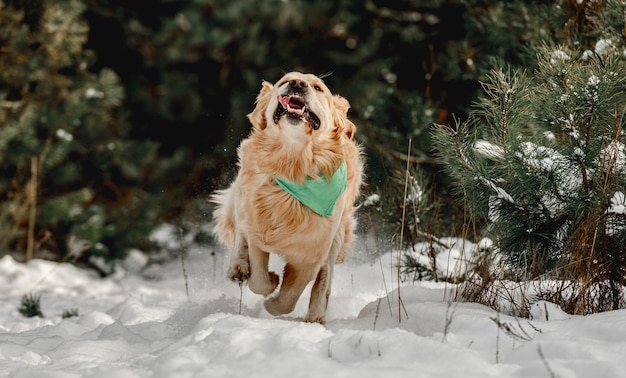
(133, 326)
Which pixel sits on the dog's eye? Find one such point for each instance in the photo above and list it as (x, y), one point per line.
(318, 88)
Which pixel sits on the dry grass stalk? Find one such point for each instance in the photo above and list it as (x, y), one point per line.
(399, 265)
(31, 199)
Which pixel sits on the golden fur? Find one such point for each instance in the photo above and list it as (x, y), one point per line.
(255, 217)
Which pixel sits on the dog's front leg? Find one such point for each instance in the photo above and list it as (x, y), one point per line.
(239, 270)
(295, 279)
(261, 281)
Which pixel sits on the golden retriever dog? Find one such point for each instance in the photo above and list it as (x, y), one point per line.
(301, 142)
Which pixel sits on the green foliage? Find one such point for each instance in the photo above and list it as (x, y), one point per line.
(70, 313)
(414, 270)
(70, 171)
(543, 158)
(30, 305)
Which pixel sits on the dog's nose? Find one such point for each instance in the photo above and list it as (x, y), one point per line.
(298, 84)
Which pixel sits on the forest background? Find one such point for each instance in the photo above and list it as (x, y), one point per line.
(117, 117)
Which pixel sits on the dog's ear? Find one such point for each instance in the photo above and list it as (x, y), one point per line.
(257, 117)
(340, 116)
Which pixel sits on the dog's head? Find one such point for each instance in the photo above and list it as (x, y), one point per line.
(301, 103)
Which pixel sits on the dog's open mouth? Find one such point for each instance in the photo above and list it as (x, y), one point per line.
(295, 108)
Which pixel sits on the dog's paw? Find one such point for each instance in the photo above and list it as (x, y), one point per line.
(276, 306)
(272, 305)
(265, 286)
(315, 319)
(239, 272)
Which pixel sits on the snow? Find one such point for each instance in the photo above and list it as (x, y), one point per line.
(489, 150)
(64, 135)
(415, 194)
(559, 56)
(564, 171)
(603, 45)
(371, 200)
(593, 81)
(92, 93)
(618, 204)
(612, 157)
(134, 324)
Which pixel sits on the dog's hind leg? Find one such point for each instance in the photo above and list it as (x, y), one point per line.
(261, 280)
(321, 289)
(239, 270)
(320, 294)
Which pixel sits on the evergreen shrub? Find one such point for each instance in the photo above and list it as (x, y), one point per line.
(542, 157)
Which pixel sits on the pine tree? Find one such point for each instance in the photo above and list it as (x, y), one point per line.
(72, 184)
(542, 157)
(422, 65)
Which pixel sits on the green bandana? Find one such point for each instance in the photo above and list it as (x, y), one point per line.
(318, 195)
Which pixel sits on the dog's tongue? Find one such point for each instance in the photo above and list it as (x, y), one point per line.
(296, 106)
(284, 101)
(291, 103)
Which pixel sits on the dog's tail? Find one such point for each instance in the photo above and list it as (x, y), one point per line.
(349, 225)
(224, 217)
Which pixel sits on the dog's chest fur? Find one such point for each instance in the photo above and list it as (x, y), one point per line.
(277, 218)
